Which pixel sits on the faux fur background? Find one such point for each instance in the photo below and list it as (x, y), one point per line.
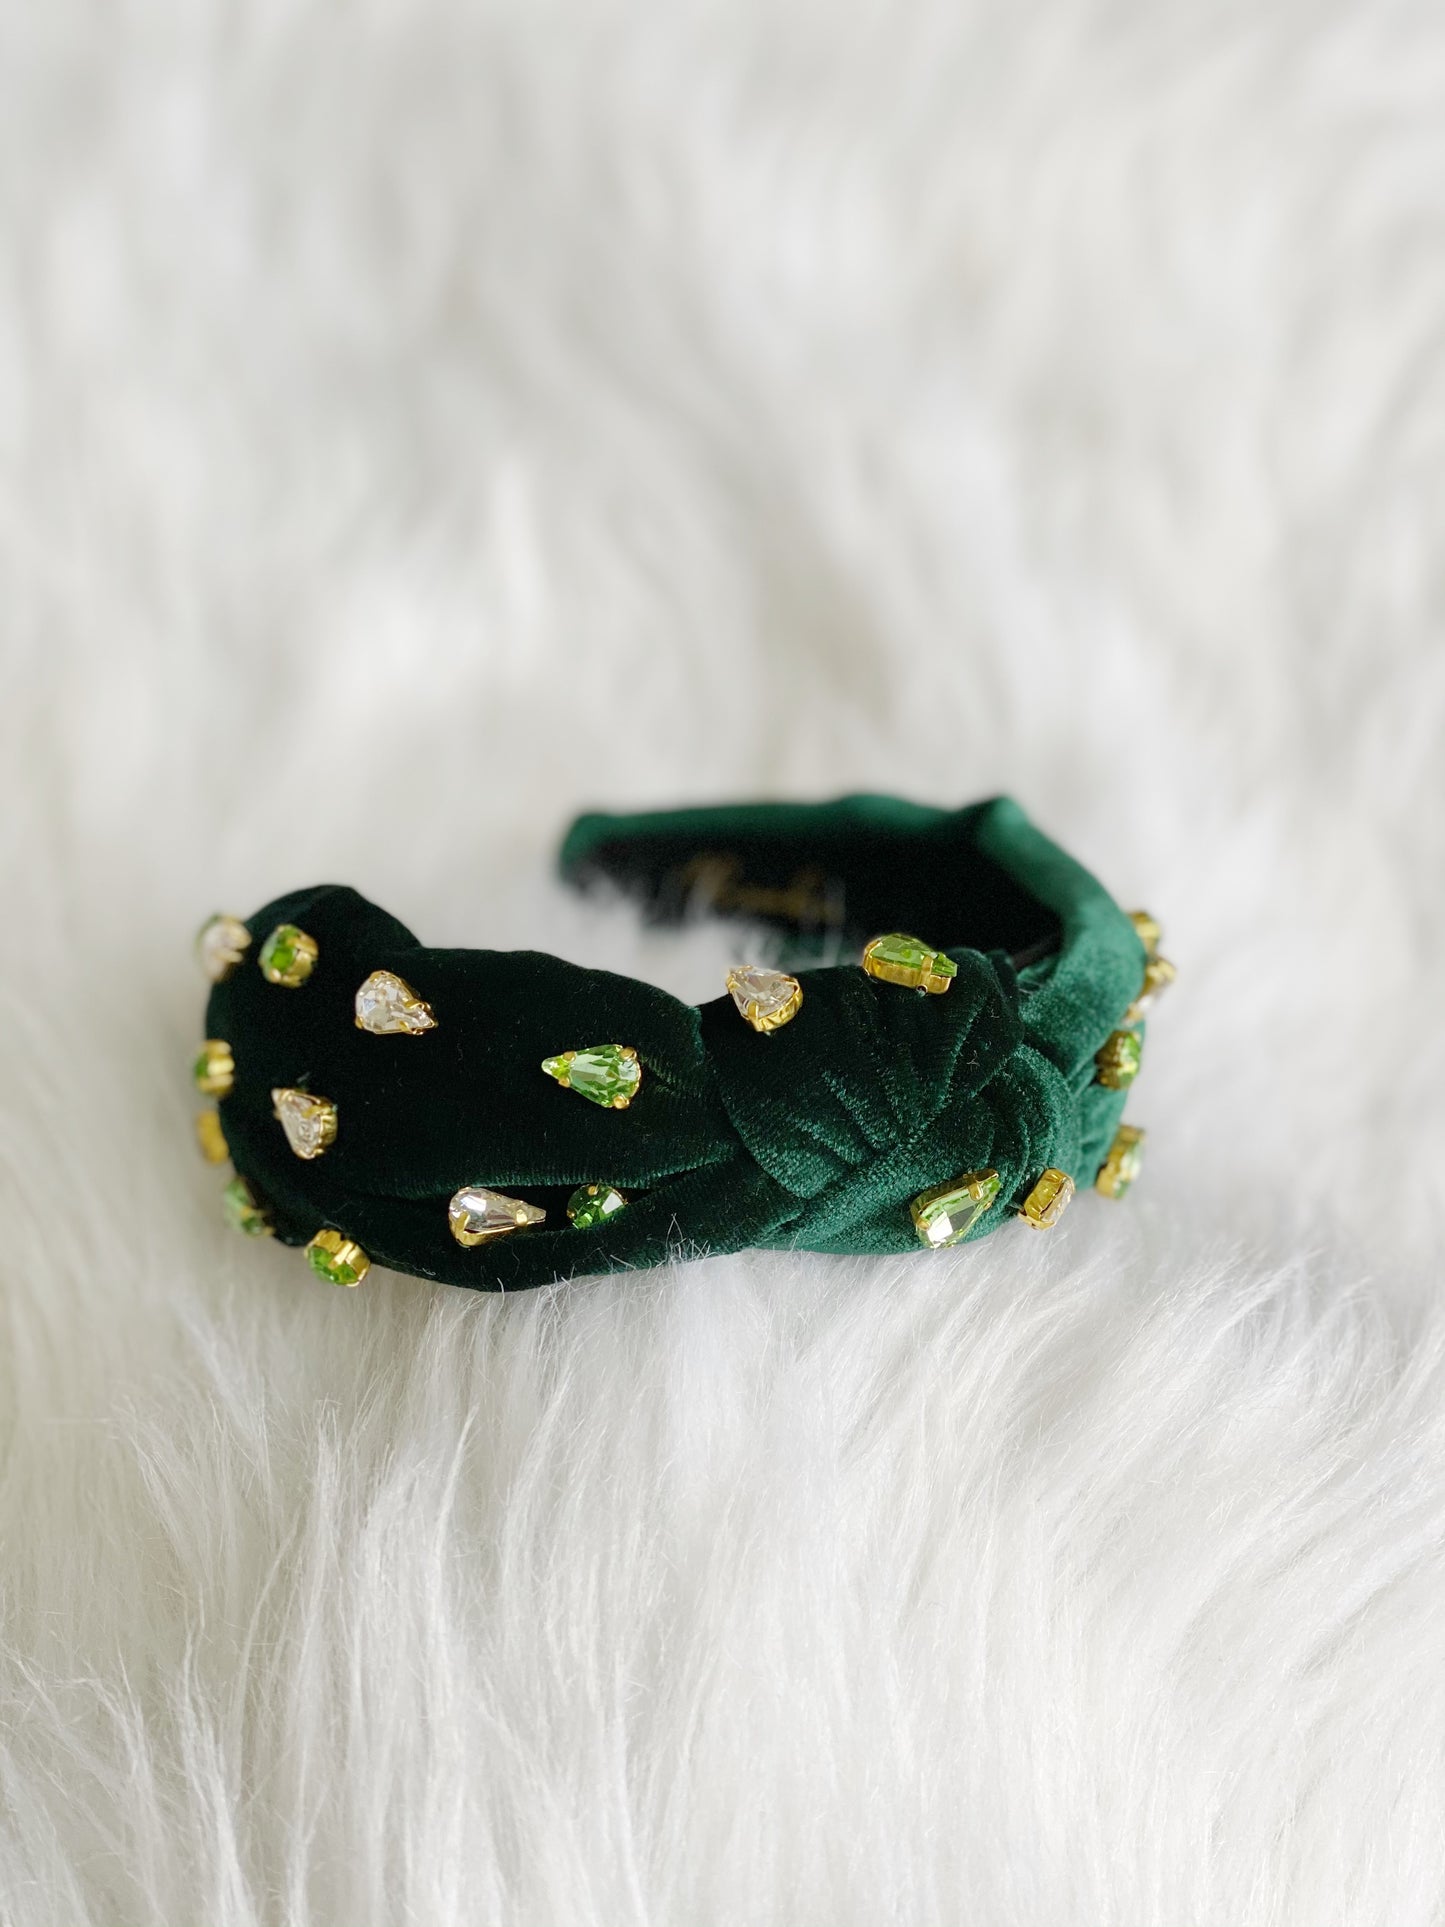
(419, 422)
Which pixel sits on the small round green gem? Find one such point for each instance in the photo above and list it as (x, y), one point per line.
(287, 956)
(214, 1069)
(594, 1204)
(335, 1271)
(1117, 1061)
(337, 1258)
(241, 1211)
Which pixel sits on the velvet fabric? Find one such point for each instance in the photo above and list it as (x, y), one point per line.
(815, 1135)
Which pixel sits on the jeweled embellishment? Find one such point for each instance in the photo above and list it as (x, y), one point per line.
(1123, 1164)
(477, 1215)
(338, 1259)
(1147, 929)
(768, 999)
(387, 1006)
(593, 1204)
(1117, 1060)
(1047, 1202)
(899, 959)
(288, 956)
(221, 945)
(607, 1074)
(211, 1138)
(308, 1121)
(214, 1069)
(241, 1211)
(946, 1213)
(1159, 973)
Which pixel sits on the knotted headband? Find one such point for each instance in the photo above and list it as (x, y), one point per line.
(499, 1119)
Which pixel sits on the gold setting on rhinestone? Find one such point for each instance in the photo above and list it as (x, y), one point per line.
(211, 1138)
(1048, 1201)
(308, 1121)
(896, 958)
(593, 1204)
(767, 999)
(1147, 929)
(214, 1069)
(387, 1006)
(1117, 1060)
(221, 945)
(1123, 1164)
(1159, 973)
(288, 956)
(476, 1215)
(944, 1214)
(605, 1074)
(336, 1258)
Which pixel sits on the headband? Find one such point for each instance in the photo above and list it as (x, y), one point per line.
(499, 1119)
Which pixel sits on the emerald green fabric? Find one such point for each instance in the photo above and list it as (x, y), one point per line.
(813, 1136)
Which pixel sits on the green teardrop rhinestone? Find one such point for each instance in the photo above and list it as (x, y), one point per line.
(948, 1212)
(241, 1211)
(897, 958)
(607, 1074)
(593, 1204)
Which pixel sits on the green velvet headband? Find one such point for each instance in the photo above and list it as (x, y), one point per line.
(499, 1119)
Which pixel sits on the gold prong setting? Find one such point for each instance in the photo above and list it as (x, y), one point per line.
(1147, 929)
(309, 1121)
(288, 956)
(766, 999)
(336, 1258)
(476, 1215)
(897, 958)
(1122, 1165)
(946, 1213)
(211, 1138)
(1048, 1200)
(1159, 973)
(214, 1068)
(387, 1006)
(605, 1074)
(221, 945)
(1117, 1060)
(593, 1204)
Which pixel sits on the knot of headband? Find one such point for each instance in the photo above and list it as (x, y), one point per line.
(499, 1119)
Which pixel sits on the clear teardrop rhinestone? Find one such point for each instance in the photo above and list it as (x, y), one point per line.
(308, 1121)
(477, 1215)
(387, 1006)
(766, 998)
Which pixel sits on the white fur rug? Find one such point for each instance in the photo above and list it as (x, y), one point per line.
(417, 423)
